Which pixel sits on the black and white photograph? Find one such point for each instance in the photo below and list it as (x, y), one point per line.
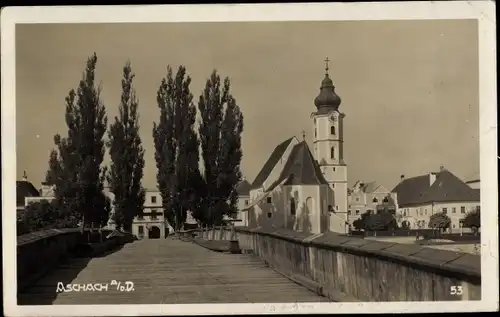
(247, 159)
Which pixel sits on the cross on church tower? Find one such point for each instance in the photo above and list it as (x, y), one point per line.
(326, 62)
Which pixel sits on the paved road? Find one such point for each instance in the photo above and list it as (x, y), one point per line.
(168, 271)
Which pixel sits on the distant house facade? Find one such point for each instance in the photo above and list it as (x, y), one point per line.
(370, 197)
(26, 193)
(151, 224)
(243, 189)
(422, 196)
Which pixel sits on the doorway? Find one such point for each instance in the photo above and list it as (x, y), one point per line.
(154, 233)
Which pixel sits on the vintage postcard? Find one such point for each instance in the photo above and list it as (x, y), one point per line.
(249, 159)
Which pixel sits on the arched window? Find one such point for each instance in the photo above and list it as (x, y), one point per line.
(332, 152)
(332, 130)
(386, 200)
(375, 200)
(292, 206)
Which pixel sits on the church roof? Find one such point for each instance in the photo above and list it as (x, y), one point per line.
(301, 168)
(271, 162)
(446, 188)
(25, 189)
(243, 188)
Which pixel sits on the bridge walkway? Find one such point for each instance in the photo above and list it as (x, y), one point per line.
(167, 271)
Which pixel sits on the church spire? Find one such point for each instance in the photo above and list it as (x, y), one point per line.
(327, 99)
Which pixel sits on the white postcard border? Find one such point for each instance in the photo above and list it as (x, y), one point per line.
(483, 11)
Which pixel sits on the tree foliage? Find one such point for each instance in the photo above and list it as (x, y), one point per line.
(75, 169)
(176, 148)
(220, 137)
(380, 221)
(439, 221)
(472, 220)
(127, 156)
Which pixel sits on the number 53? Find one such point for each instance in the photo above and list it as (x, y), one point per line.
(456, 290)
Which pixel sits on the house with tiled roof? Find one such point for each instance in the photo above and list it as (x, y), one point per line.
(421, 196)
(299, 190)
(243, 190)
(369, 197)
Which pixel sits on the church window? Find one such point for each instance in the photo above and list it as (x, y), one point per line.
(332, 130)
(269, 214)
(292, 206)
(332, 152)
(269, 200)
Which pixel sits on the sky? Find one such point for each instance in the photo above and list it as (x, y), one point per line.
(409, 89)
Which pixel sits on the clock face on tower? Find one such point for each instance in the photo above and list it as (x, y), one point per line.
(333, 118)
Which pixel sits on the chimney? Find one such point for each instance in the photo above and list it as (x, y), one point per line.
(441, 168)
(432, 178)
(25, 177)
(402, 177)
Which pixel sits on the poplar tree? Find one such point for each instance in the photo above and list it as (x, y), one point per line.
(176, 147)
(220, 137)
(127, 156)
(78, 175)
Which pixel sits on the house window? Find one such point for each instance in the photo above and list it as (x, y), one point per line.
(478, 208)
(349, 212)
(425, 211)
(246, 202)
(153, 199)
(141, 230)
(445, 210)
(333, 185)
(337, 207)
(140, 216)
(357, 212)
(453, 210)
(153, 215)
(269, 200)
(315, 133)
(334, 169)
(375, 200)
(269, 214)
(386, 200)
(332, 152)
(462, 209)
(453, 226)
(292, 206)
(332, 130)
(404, 213)
(357, 198)
(421, 213)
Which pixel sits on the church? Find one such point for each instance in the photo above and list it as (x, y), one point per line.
(302, 190)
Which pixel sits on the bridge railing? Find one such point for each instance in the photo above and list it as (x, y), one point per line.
(354, 269)
(39, 251)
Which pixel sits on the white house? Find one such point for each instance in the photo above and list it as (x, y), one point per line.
(243, 190)
(370, 197)
(301, 191)
(422, 196)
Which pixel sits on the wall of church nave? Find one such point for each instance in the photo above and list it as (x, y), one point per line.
(305, 208)
(269, 211)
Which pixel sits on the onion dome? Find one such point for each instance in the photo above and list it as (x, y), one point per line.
(327, 99)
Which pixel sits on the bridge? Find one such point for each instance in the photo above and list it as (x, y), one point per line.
(276, 265)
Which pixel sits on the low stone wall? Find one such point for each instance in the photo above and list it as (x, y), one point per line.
(354, 269)
(40, 251)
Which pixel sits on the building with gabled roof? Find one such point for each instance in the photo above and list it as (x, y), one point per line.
(243, 190)
(421, 196)
(370, 197)
(299, 190)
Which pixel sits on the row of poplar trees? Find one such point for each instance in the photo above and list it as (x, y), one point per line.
(198, 161)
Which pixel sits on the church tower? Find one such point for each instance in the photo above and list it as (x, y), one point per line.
(328, 124)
